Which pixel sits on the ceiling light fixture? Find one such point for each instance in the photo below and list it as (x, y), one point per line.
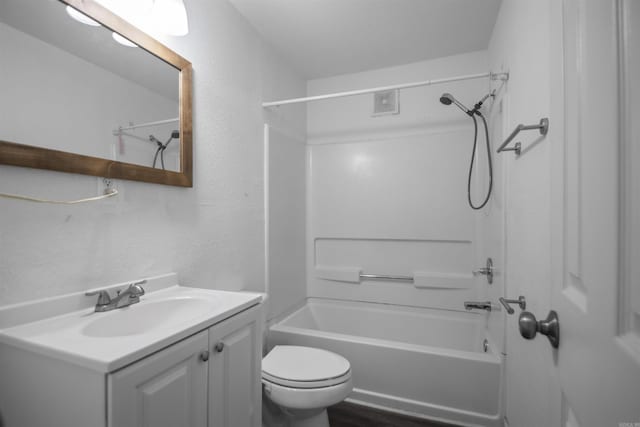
(169, 17)
(166, 17)
(136, 12)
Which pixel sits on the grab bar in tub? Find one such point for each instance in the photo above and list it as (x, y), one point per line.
(386, 277)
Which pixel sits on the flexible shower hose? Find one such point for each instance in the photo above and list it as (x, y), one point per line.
(473, 157)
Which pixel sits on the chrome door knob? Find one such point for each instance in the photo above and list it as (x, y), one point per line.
(550, 327)
(219, 347)
(204, 356)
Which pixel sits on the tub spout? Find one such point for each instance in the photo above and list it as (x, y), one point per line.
(477, 305)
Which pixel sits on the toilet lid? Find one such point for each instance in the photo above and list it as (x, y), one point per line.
(304, 367)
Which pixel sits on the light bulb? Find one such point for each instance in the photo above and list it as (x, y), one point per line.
(133, 11)
(170, 17)
(81, 17)
(123, 41)
(155, 16)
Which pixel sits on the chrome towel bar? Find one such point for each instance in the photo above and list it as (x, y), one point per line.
(543, 126)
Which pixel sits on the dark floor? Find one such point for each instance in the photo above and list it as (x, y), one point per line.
(350, 415)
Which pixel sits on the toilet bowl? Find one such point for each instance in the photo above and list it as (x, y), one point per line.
(304, 381)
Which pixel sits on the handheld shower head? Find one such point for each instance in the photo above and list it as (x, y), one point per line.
(448, 99)
(175, 134)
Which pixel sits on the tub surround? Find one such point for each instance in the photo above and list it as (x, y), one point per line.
(386, 195)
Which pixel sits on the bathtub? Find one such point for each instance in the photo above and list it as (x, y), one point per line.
(423, 362)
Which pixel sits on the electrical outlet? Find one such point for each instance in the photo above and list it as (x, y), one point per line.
(103, 187)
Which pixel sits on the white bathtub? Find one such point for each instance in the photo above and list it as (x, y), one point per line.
(425, 362)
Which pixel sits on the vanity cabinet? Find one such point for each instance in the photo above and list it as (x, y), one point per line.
(209, 379)
(235, 373)
(168, 388)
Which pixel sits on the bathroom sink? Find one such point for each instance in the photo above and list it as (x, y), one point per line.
(143, 317)
(107, 341)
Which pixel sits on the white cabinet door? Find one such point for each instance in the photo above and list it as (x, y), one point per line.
(235, 370)
(167, 389)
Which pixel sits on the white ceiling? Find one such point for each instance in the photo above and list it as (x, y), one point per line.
(322, 38)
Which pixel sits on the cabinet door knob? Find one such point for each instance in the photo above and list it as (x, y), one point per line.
(204, 356)
(219, 347)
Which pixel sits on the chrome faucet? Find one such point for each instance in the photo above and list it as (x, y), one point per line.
(477, 305)
(130, 295)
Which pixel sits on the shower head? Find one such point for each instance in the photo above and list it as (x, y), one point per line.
(448, 99)
(175, 134)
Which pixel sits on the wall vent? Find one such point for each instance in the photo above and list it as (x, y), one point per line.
(386, 102)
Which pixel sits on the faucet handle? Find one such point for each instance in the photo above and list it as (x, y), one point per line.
(103, 297)
(136, 288)
(506, 303)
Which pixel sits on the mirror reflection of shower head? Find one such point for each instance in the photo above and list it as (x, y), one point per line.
(175, 134)
(447, 99)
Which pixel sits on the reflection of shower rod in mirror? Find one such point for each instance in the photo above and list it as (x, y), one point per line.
(161, 147)
(175, 134)
(144, 125)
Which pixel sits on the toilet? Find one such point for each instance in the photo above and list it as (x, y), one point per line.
(304, 381)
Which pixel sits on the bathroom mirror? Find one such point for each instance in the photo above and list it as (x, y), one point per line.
(74, 99)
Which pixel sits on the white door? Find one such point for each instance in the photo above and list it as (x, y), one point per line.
(595, 277)
(587, 195)
(235, 390)
(167, 389)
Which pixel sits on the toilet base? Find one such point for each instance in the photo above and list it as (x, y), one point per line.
(308, 418)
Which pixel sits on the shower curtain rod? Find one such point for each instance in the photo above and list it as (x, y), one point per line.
(144, 125)
(493, 76)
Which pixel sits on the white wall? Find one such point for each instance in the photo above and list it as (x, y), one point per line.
(388, 195)
(521, 44)
(212, 235)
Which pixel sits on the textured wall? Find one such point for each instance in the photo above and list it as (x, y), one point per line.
(212, 235)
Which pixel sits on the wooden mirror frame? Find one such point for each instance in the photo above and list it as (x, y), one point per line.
(16, 154)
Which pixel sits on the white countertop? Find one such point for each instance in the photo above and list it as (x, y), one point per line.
(68, 336)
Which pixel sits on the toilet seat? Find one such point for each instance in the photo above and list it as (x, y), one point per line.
(304, 367)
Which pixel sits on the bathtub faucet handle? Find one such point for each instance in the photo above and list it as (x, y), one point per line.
(486, 271)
